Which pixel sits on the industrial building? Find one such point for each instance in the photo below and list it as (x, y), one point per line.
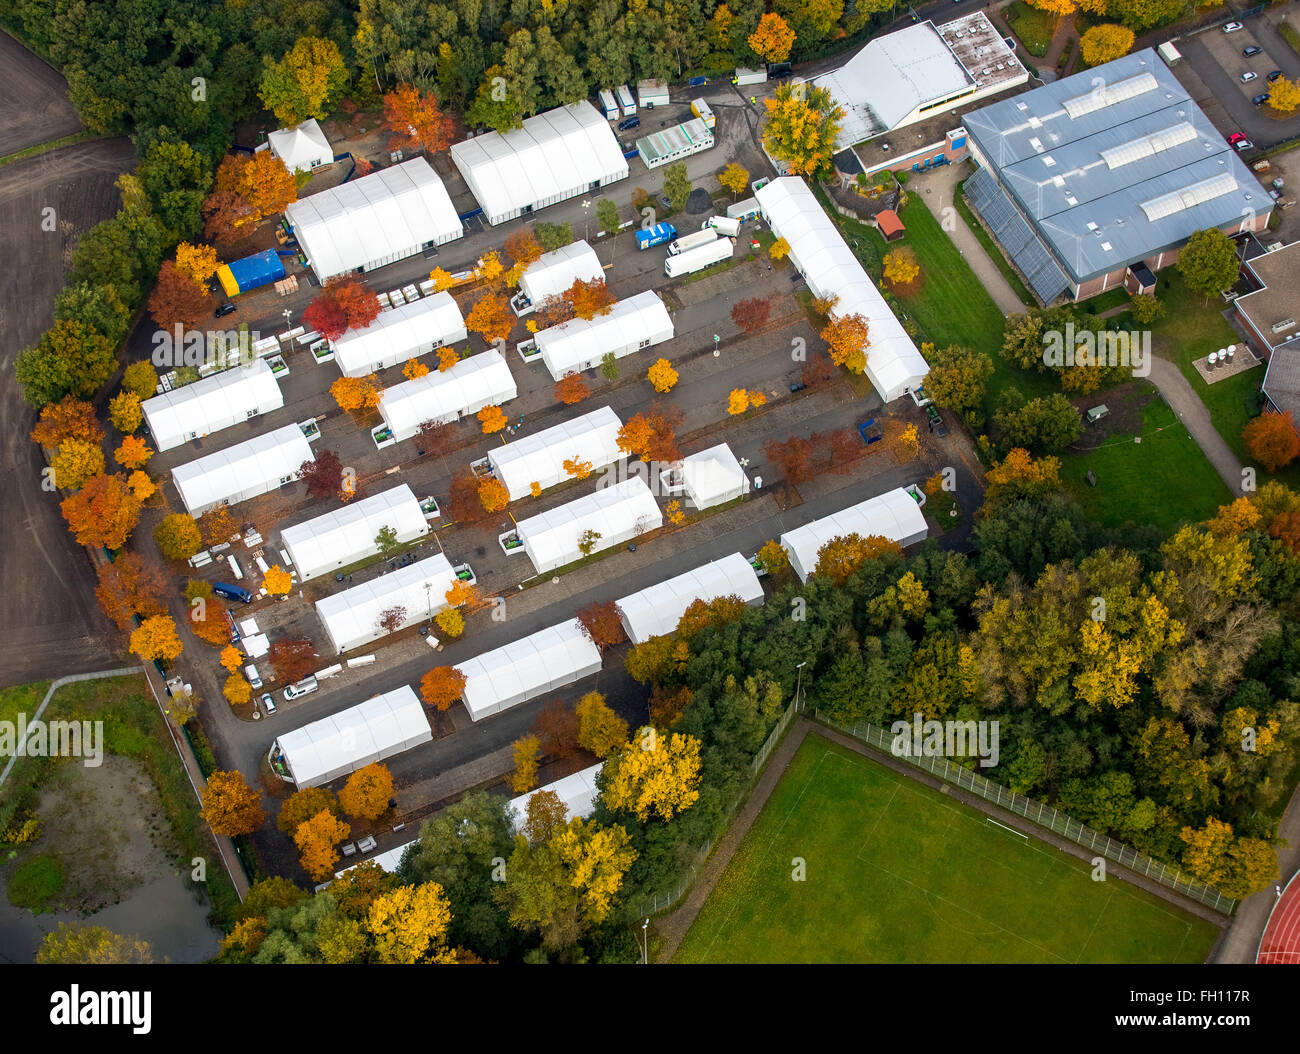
(442, 396)
(656, 610)
(534, 665)
(351, 618)
(256, 466)
(616, 514)
(895, 515)
(540, 456)
(346, 535)
(220, 401)
(631, 325)
(400, 333)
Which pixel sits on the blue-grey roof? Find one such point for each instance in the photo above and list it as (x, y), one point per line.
(1081, 156)
(1036, 263)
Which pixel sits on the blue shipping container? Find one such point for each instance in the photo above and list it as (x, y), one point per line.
(656, 235)
(239, 276)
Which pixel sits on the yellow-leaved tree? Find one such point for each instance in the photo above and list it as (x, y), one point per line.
(662, 376)
(655, 774)
(409, 925)
(277, 581)
(1104, 43)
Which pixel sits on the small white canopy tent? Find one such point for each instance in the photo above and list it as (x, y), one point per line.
(555, 155)
(713, 476)
(302, 148)
(656, 610)
(399, 334)
(526, 668)
(377, 219)
(220, 401)
(255, 466)
(576, 791)
(617, 513)
(894, 515)
(894, 365)
(473, 383)
(554, 272)
(351, 618)
(539, 457)
(352, 739)
(346, 535)
(638, 322)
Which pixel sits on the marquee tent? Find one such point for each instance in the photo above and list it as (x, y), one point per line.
(632, 324)
(576, 791)
(351, 618)
(255, 466)
(347, 534)
(618, 514)
(539, 457)
(894, 366)
(399, 334)
(894, 515)
(713, 476)
(554, 272)
(526, 668)
(351, 739)
(473, 383)
(220, 401)
(656, 610)
(302, 148)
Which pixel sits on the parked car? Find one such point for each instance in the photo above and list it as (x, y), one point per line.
(1274, 75)
(1243, 145)
(629, 122)
(1251, 51)
(1261, 99)
(1235, 138)
(1232, 27)
(1246, 78)
(224, 309)
(268, 703)
(697, 82)
(304, 687)
(665, 201)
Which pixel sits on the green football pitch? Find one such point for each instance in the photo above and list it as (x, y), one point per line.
(895, 872)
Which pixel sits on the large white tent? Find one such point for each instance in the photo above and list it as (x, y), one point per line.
(255, 466)
(713, 476)
(579, 344)
(351, 739)
(351, 618)
(539, 457)
(347, 534)
(894, 515)
(302, 148)
(400, 333)
(554, 272)
(526, 668)
(556, 155)
(577, 792)
(656, 610)
(224, 399)
(617, 513)
(385, 216)
(894, 365)
(473, 383)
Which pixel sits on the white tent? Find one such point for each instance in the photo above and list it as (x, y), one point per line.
(556, 155)
(400, 333)
(552, 273)
(352, 739)
(894, 366)
(618, 514)
(526, 668)
(473, 383)
(894, 515)
(255, 466)
(539, 457)
(347, 534)
(632, 324)
(302, 148)
(368, 222)
(576, 791)
(224, 399)
(713, 476)
(656, 610)
(351, 618)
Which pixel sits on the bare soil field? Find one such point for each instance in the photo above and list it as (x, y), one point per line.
(34, 106)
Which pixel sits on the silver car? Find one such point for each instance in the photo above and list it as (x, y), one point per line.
(268, 704)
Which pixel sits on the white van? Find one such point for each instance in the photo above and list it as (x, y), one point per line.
(304, 687)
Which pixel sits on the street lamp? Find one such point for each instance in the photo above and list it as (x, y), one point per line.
(288, 316)
(717, 340)
(799, 682)
(645, 944)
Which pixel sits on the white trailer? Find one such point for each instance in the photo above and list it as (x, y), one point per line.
(652, 93)
(723, 225)
(744, 76)
(747, 209)
(607, 105)
(700, 257)
(625, 100)
(692, 241)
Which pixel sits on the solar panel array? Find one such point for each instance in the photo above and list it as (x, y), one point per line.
(988, 198)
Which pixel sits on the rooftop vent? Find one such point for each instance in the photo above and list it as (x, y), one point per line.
(1106, 246)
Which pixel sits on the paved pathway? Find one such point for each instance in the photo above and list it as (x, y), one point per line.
(1184, 401)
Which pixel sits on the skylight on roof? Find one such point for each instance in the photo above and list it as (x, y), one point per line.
(1148, 145)
(1108, 95)
(1190, 196)
(1036, 143)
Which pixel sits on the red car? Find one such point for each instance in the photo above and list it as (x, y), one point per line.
(1235, 138)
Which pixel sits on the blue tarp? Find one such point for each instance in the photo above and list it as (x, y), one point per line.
(252, 271)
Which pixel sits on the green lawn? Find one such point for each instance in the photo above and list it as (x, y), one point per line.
(1164, 480)
(1033, 28)
(896, 872)
(990, 248)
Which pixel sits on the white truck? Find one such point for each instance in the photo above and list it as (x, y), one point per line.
(607, 105)
(691, 241)
(625, 100)
(723, 225)
(700, 257)
(744, 76)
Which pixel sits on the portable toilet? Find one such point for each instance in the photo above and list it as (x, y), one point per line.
(608, 105)
(626, 101)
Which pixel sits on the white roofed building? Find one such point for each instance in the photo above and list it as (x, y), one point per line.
(347, 534)
(577, 792)
(539, 457)
(554, 272)
(302, 148)
(255, 466)
(352, 739)
(711, 477)
(220, 401)
(473, 383)
(556, 155)
(618, 514)
(368, 222)
(399, 334)
(638, 322)
(526, 668)
(351, 618)
(894, 365)
(656, 610)
(895, 515)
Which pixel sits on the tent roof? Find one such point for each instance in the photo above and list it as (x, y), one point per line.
(374, 217)
(354, 613)
(399, 330)
(480, 379)
(894, 515)
(552, 273)
(712, 474)
(552, 537)
(557, 654)
(206, 406)
(225, 473)
(629, 321)
(539, 457)
(577, 791)
(656, 610)
(829, 266)
(320, 542)
(299, 147)
(377, 726)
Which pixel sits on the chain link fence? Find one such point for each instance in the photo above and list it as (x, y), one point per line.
(1043, 815)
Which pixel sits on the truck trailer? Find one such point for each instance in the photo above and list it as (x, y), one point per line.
(656, 235)
(700, 257)
(239, 276)
(692, 241)
(723, 225)
(744, 76)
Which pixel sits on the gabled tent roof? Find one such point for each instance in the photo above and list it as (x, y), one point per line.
(398, 331)
(552, 273)
(526, 668)
(539, 457)
(630, 321)
(320, 543)
(656, 610)
(212, 403)
(713, 475)
(894, 515)
(576, 791)
(479, 380)
(257, 462)
(299, 147)
(552, 537)
(353, 615)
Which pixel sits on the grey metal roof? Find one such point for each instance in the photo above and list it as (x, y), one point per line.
(1024, 246)
(1282, 380)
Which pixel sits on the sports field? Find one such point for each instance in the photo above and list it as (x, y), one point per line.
(896, 872)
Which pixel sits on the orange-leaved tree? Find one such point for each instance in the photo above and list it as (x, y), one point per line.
(662, 376)
(155, 638)
(1271, 439)
(367, 792)
(846, 336)
(316, 839)
(492, 419)
(491, 318)
(493, 494)
(103, 512)
(70, 418)
(355, 394)
(416, 121)
(134, 452)
(277, 581)
(589, 299)
(442, 686)
(571, 388)
(230, 806)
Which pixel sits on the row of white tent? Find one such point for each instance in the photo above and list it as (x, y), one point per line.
(211, 404)
(894, 365)
(443, 396)
(637, 322)
(400, 333)
(526, 668)
(347, 534)
(617, 513)
(256, 466)
(895, 515)
(540, 456)
(351, 617)
(656, 610)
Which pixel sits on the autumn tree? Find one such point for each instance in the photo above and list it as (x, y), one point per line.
(772, 557)
(140, 379)
(75, 462)
(133, 453)
(491, 318)
(802, 126)
(323, 474)
(359, 303)
(601, 624)
(1208, 262)
(305, 82)
(526, 751)
(292, 659)
(69, 358)
(231, 658)
(209, 622)
(662, 376)
(846, 337)
(522, 247)
(227, 218)
(324, 315)
(1020, 475)
(156, 638)
(367, 792)
(701, 614)
(129, 586)
(1236, 866)
(772, 40)
(262, 180)
(355, 394)
(556, 730)
(451, 622)
(571, 388)
(735, 178)
(577, 468)
(779, 249)
(600, 730)
(493, 494)
(103, 512)
(69, 418)
(316, 839)
(199, 262)
(840, 557)
(414, 370)
(752, 313)
(1104, 43)
(178, 300)
(589, 299)
(1271, 439)
(303, 804)
(416, 121)
(901, 266)
(1284, 95)
(651, 434)
(277, 581)
(442, 686)
(230, 806)
(79, 944)
(958, 376)
(653, 775)
(409, 925)
(177, 536)
(794, 456)
(125, 411)
(492, 419)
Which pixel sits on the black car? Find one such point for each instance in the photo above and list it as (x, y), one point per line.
(797, 386)
(1261, 99)
(224, 309)
(1254, 49)
(630, 122)
(1274, 76)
